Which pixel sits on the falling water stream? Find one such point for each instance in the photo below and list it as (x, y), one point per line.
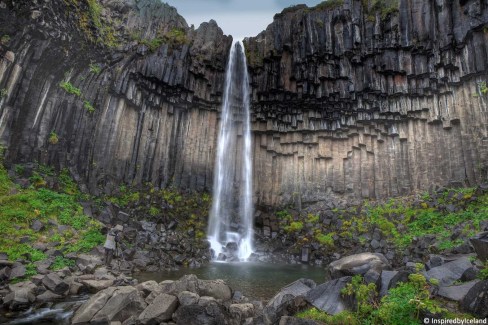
(230, 230)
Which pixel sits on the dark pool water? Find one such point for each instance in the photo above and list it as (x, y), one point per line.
(260, 281)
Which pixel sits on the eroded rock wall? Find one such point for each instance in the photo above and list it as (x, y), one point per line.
(347, 102)
(155, 109)
(352, 103)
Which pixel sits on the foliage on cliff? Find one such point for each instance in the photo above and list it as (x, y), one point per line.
(450, 217)
(64, 226)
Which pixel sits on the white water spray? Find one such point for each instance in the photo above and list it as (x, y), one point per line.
(230, 229)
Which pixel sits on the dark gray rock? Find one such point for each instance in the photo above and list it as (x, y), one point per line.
(327, 296)
(160, 310)
(37, 225)
(53, 282)
(386, 279)
(18, 271)
(480, 245)
(85, 313)
(22, 295)
(288, 299)
(124, 302)
(449, 272)
(476, 300)
(48, 296)
(456, 292)
(211, 314)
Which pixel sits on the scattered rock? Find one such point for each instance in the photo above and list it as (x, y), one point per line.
(476, 300)
(449, 272)
(456, 292)
(328, 298)
(369, 265)
(480, 245)
(53, 282)
(160, 310)
(188, 298)
(48, 296)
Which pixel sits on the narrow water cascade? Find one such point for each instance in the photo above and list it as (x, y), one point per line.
(230, 230)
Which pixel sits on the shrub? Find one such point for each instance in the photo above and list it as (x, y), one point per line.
(61, 262)
(70, 89)
(88, 106)
(53, 138)
(329, 4)
(95, 68)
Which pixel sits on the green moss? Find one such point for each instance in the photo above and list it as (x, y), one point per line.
(88, 106)
(383, 7)
(61, 262)
(326, 239)
(70, 89)
(95, 68)
(295, 226)
(328, 4)
(53, 138)
(3, 93)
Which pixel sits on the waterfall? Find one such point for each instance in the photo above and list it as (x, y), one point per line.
(230, 230)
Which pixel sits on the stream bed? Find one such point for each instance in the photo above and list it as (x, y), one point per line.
(254, 280)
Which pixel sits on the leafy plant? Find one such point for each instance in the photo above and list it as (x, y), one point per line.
(3, 93)
(5, 39)
(70, 89)
(95, 68)
(53, 138)
(88, 106)
(61, 262)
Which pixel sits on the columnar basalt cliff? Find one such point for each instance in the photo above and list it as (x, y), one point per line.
(370, 104)
(131, 93)
(347, 101)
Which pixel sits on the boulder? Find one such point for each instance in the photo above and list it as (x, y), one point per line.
(88, 263)
(370, 265)
(240, 312)
(160, 310)
(5, 273)
(94, 286)
(476, 300)
(37, 225)
(147, 287)
(20, 297)
(86, 312)
(212, 313)
(328, 298)
(480, 245)
(48, 296)
(53, 282)
(449, 272)
(124, 302)
(285, 302)
(188, 298)
(457, 292)
(386, 280)
(214, 288)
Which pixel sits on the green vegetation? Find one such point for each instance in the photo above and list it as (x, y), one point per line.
(483, 275)
(404, 304)
(5, 39)
(95, 68)
(21, 207)
(3, 93)
(70, 89)
(384, 7)
(61, 262)
(401, 221)
(174, 38)
(88, 106)
(483, 87)
(94, 26)
(53, 138)
(328, 4)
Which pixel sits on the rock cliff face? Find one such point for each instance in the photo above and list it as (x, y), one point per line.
(346, 102)
(154, 86)
(349, 101)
